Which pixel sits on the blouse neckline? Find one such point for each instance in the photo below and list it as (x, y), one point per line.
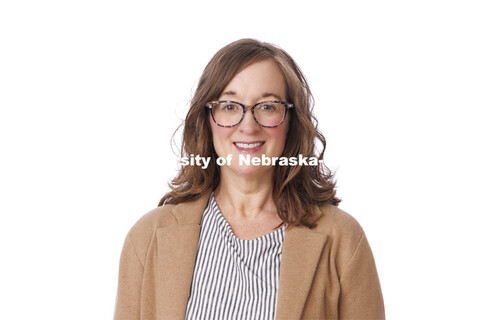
(272, 234)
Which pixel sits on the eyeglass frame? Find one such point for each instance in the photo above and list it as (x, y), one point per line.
(210, 104)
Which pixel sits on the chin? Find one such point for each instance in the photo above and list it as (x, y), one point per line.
(250, 171)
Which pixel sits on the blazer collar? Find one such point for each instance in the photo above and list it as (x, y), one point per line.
(301, 252)
(191, 212)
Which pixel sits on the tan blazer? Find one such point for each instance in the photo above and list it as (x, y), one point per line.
(327, 272)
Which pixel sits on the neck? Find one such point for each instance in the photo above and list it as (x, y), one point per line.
(246, 197)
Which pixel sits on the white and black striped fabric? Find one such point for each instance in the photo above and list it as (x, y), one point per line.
(234, 278)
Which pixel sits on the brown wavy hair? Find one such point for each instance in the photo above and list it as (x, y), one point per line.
(297, 190)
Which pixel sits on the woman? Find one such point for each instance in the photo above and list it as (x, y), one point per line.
(234, 240)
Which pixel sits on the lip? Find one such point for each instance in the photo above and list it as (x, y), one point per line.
(249, 150)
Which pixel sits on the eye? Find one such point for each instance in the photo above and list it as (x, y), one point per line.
(229, 107)
(268, 107)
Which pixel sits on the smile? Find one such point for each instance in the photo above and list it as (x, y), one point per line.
(248, 145)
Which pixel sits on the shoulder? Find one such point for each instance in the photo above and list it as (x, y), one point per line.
(155, 218)
(142, 232)
(336, 222)
(169, 215)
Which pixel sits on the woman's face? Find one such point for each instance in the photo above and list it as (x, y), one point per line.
(260, 81)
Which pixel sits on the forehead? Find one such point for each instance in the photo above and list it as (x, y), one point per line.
(257, 79)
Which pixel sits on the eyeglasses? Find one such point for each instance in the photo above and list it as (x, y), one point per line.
(269, 114)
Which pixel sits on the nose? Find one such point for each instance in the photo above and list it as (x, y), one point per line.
(248, 124)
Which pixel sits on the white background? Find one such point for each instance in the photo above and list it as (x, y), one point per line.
(91, 92)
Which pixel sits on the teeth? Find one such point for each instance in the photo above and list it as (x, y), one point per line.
(248, 145)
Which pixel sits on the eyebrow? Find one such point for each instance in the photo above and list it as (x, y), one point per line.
(264, 95)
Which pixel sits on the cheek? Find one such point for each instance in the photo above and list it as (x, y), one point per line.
(278, 137)
(220, 137)
(220, 134)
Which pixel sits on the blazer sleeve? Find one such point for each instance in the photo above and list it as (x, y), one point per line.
(360, 291)
(127, 305)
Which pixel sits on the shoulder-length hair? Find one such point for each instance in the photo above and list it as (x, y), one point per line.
(297, 190)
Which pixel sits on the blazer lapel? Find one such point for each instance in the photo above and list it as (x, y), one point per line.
(300, 256)
(177, 249)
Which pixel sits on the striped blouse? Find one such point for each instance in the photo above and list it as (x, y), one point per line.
(234, 278)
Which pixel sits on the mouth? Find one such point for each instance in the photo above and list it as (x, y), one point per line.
(249, 146)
